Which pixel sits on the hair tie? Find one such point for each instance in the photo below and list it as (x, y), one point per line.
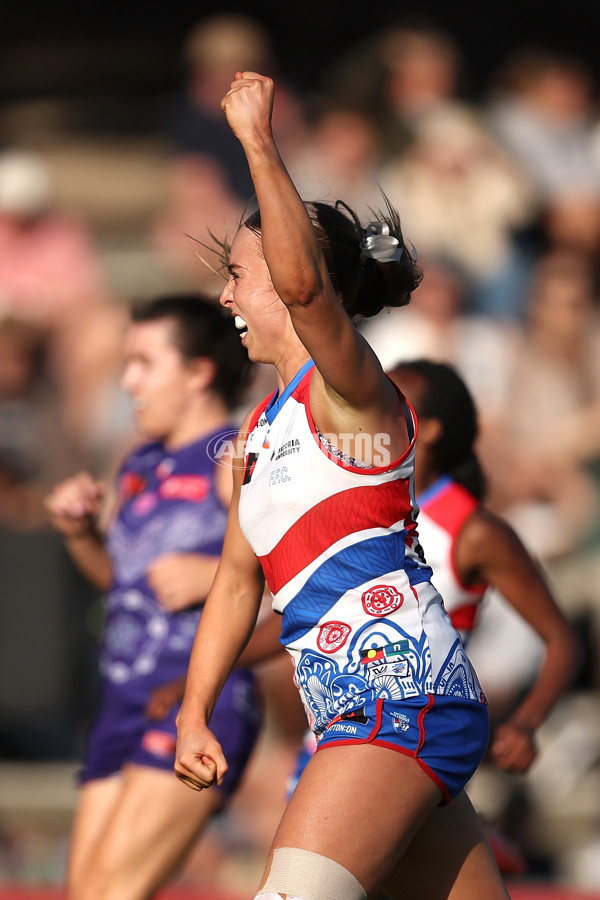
(379, 244)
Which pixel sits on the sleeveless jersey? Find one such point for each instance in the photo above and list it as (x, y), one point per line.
(167, 504)
(444, 508)
(340, 552)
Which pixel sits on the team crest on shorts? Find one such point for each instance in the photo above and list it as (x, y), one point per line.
(332, 636)
(400, 722)
(381, 600)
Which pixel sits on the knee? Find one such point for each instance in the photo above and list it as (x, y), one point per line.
(96, 883)
(304, 875)
(272, 896)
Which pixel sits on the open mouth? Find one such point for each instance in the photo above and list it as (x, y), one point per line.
(241, 326)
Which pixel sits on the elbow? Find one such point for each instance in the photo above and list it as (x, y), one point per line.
(302, 290)
(298, 298)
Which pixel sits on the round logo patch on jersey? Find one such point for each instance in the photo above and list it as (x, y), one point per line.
(381, 600)
(332, 636)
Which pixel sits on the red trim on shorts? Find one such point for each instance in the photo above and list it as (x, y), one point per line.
(378, 719)
(414, 754)
(435, 778)
(420, 723)
(347, 742)
(446, 795)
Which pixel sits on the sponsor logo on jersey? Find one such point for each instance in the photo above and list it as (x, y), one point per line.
(131, 484)
(332, 636)
(288, 447)
(185, 487)
(381, 600)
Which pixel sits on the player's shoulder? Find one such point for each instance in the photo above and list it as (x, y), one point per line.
(143, 454)
(484, 534)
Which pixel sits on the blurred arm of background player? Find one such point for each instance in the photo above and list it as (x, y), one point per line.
(263, 646)
(73, 507)
(489, 551)
(178, 579)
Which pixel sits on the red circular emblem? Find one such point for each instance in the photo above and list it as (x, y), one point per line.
(381, 600)
(332, 636)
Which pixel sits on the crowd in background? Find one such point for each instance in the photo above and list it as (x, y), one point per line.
(501, 199)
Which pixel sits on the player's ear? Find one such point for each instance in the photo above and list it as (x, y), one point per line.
(430, 431)
(203, 371)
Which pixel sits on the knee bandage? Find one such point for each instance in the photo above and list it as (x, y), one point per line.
(304, 875)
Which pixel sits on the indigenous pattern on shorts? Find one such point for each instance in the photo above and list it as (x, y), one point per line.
(167, 504)
(340, 552)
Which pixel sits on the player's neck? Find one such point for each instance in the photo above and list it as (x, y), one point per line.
(202, 419)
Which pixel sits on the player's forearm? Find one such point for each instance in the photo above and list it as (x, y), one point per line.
(205, 569)
(264, 643)
(89, 554)
(554, 677)
(290, 246)
(227, 622)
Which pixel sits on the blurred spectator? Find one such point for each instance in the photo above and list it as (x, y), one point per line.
(421, 78)
(209, 183)
(542, 110)
(48, 265)
(399, 75)
(551, 426)
(435, 326)
(95, 411)
(33, 451)
(51, 279)
(462, 197)
(559, 375)
(339, 158)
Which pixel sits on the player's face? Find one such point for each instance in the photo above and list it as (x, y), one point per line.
(414, 386)
(260, 316)
(159, 380)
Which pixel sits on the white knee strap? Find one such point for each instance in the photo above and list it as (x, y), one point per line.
(304, 875)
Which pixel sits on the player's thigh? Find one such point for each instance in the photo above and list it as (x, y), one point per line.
(96, 803)
(448, 859)
(359, 805)
(153, 825)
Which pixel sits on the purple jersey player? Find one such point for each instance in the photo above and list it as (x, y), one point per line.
(183, 368)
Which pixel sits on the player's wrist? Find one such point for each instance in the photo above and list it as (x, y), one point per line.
(85, 532)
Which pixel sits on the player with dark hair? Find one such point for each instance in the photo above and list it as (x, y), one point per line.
(184, 368)
(323, 508)
(470, 548)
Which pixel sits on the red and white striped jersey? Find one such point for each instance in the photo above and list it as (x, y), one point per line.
(444, 508)
(341, 556)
